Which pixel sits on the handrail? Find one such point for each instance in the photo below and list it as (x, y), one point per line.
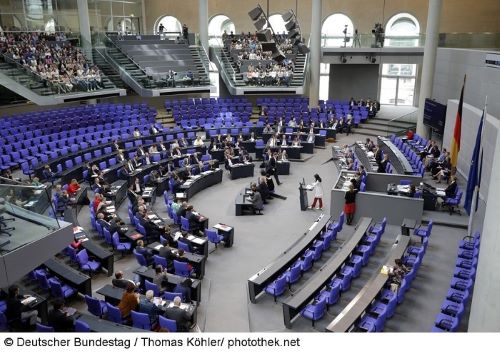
(118, 48)
(412, 119)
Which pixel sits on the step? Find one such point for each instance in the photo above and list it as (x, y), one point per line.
(379, 127)
(395, 123)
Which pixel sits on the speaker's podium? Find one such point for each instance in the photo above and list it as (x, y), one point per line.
(303, 188)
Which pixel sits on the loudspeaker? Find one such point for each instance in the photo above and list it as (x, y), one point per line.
(302, 48)
(259, 25)
(287, 16)
(269, 47)
(265, 35)
(291, 25)
(293, 33)
(255, 13)
(278, 56)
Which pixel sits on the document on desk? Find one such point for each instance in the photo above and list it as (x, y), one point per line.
(28, 300)
(222, 227)
(158, 247)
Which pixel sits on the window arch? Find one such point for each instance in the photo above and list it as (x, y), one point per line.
(170, 24)
(50, 26)
(124, 25)
(217, 26)
(402, 25)
(333, 29)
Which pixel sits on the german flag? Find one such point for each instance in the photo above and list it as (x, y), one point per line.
(457, 132)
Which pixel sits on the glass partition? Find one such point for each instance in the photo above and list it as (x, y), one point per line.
(24, 214)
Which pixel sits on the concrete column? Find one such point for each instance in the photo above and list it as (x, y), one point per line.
(430, 50)
(485, 309)
(83, 19)
(315, 54)
(203, 13)
(143, 17)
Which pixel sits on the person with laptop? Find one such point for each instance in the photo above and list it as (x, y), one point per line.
(18, 310)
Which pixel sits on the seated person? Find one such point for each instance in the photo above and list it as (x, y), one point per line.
(120, 282)
(180, 316)
(256, 200)
(73, 187)
(160, 277)
(137, 186)
(146, 252)
(59, 318)
(17, 313)
(195, 220)
(117, 225)
(147, 306)
(184, 288)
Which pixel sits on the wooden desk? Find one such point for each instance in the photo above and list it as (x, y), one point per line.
(356, 308)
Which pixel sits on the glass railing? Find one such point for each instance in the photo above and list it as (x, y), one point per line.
(485, 40)
(369, 40)
(227, 70)
(401, 124)
(24, 214)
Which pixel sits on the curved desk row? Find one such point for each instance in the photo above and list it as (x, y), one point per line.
(396, 157)
(294, 304)
(266, 275)
(198, 183)
(368, 162)
(345, 320)
(59, 160)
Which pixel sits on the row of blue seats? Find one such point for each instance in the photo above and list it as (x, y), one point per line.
(75, 136)
(205, 101)
(36, 119)
(32, 157)
(461, 285)
(341, 281)
(414, 159)
(384, 306)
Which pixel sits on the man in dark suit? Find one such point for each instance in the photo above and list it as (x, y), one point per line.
(59, 319)
(382, 166)
(16, 312)
(451, 190)
(153, 231)
(140, 151)
(118, 226)
(147, 306)
(378, 155)
(166, 253)
(180, 316)
(120, 157)
(120, 282)
(271, 167)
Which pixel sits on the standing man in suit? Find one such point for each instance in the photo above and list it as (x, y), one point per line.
(180, 316)
(271, 167)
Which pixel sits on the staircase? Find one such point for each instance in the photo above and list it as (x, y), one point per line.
(380, 126)
(299, 71)
(21, 76)
(199, 56)
(30, 86)
(112, 78)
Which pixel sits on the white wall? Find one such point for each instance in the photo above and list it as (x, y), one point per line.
(470, 122)
(453, 64)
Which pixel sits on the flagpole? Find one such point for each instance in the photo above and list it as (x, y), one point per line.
(476, 188)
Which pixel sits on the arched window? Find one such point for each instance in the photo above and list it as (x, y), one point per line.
(402, 30)
(50, 26)
(337, 31)
(217, 26)
(172, 27)
(124, 25)
(277, 24)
